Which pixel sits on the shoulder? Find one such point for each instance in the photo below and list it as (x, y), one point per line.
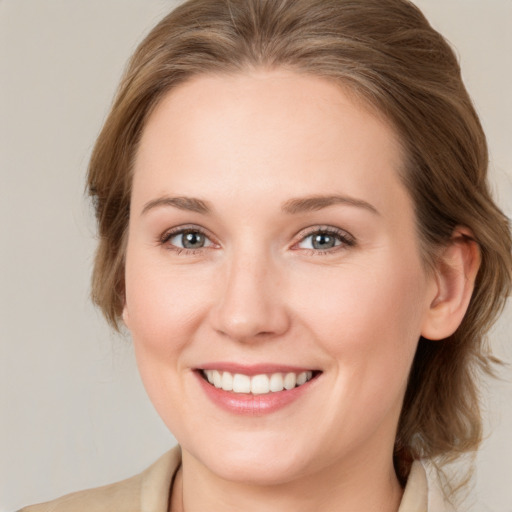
(440, 497)
(423, 491)
(148, 490)
(122, 496)
(415, 497)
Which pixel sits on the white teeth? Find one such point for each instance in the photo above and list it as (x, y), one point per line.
(290, 381)
(217, 379)
(258, 384)
(276, 382)
(227, 381)
(301, 378)
(241, 383)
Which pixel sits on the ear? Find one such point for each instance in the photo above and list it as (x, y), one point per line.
(455, 273)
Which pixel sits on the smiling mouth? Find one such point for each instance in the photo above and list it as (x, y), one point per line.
(261, 384)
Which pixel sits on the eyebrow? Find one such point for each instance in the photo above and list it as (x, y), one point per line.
(190, 204)
(314, 203)
(292, 206)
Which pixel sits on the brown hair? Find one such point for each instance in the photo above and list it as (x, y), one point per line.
(385, 52)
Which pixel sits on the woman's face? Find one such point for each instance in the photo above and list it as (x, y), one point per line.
(271, 239)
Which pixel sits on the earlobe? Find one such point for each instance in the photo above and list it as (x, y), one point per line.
(455, 274)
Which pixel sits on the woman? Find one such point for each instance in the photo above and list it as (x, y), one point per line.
(296, 228)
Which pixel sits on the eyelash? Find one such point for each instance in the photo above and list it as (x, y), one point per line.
(167, 235)
(346, 240)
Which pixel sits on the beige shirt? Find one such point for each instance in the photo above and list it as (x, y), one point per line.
(150, 491)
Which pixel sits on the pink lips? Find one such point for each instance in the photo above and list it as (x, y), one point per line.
(249, 404)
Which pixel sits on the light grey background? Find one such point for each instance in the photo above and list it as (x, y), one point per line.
(73, 413)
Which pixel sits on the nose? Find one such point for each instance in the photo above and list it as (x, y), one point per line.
(251, 305)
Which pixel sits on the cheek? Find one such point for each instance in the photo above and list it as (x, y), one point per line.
(367, 315)
(164, 303)
(164, 306)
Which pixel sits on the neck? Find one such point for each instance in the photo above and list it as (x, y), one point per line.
(365, 486)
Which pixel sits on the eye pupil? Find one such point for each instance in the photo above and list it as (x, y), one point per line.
(323, 241)
(193, 240)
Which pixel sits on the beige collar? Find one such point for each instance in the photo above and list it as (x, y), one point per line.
(156, 482)
(415, 498)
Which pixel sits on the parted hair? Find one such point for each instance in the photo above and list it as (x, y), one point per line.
(387, 54)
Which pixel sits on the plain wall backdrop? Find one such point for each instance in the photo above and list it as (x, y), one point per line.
(73, 413)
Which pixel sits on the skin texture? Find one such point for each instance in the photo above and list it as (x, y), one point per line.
(257, 292)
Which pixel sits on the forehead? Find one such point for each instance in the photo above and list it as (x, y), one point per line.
(252, 130)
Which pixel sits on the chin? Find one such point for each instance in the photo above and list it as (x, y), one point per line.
(251, 471)
(254, 462)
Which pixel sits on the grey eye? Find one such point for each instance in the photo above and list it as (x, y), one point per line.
(323, 241)
(193, 240)
(320, 241)
(190, 239)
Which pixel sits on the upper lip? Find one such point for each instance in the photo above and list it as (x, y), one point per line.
(254, 369)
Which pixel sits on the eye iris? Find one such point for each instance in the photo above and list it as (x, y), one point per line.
(323, 241)
(193, 240)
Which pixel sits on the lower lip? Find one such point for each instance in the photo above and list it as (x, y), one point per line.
(249, 404)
